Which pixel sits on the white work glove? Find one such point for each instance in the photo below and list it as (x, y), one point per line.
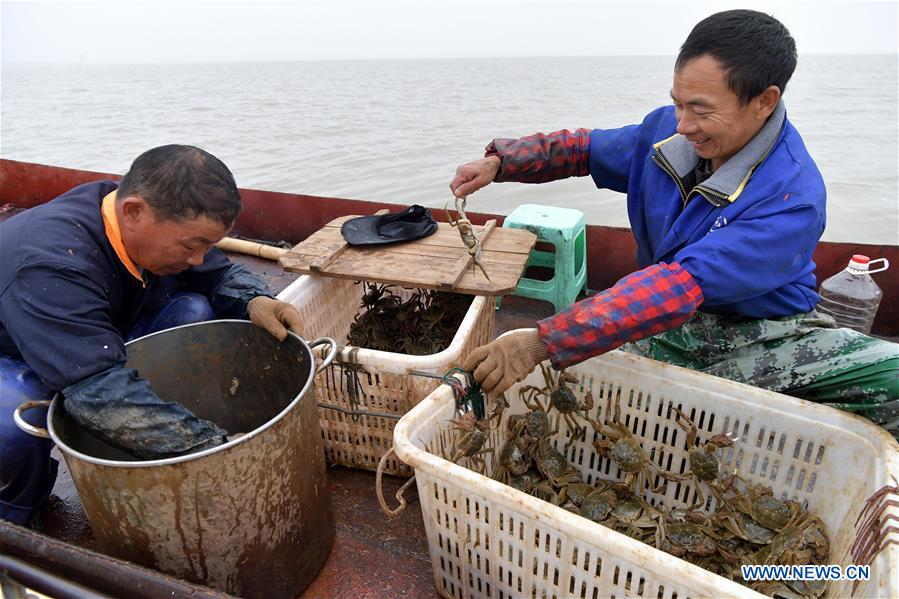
(506, 360)
(274, 316)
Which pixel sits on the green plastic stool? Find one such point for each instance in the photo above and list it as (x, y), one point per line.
(566, 229)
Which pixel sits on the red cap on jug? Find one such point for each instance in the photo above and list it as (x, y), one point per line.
(858, 264)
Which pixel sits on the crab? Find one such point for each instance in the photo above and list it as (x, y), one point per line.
(743, 527)
(553, 465)
(512, 461)
(470, 444)
(561, 397)
(529, 428)
(636, 518)
(623, 448)
(704, 464)
(801, 542)
(466, 232)
(534, 424)
(525, 482)
(682, 538)
(767, 510)
(378, 294)
(598, 505)
(576, 493)
(500, 404)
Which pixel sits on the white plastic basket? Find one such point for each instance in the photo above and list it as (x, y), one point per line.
(489, 540)
(382, 384)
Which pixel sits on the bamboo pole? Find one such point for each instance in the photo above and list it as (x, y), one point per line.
(242, 246)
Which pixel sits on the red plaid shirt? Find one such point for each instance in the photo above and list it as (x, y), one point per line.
(658, 298)
(540, 158)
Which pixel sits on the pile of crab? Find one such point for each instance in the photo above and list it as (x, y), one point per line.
(740, 524)
(423, 324)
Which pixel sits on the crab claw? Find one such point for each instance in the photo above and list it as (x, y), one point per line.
(722, 440)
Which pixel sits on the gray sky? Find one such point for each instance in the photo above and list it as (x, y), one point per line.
(152, 32)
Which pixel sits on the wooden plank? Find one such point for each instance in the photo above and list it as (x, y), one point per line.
(399, 272)
(322, 262)
(319, 264)
(507, 240)
(468, 260)
(314, 248)
(515, 241)
(434, 262)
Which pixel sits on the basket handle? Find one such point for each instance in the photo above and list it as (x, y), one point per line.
(28, 428)
(329, 357)
(380, 491)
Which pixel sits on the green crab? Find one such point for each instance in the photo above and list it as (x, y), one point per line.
(562, 398)
(705, 468)
(622, 447)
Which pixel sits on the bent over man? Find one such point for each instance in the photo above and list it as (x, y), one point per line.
(102, 264)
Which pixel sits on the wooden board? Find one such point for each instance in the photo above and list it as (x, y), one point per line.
(439, 261)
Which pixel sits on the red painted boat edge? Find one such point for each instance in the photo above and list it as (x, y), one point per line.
(293, 217)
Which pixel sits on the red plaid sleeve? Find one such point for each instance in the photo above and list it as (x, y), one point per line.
(658, 298)
(540, 158)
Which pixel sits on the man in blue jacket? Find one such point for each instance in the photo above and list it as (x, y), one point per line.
(102, 264)
(726, 206)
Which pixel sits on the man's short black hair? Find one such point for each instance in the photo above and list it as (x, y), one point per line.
(182, 182)
(755, 49)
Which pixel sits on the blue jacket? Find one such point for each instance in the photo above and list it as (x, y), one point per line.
(66, 300)
(746, 235)
(66, 303)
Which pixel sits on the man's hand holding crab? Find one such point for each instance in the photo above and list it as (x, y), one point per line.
(508, 359)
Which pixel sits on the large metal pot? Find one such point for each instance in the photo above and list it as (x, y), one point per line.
(251, 517)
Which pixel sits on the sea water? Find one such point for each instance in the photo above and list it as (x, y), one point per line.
(395, 130)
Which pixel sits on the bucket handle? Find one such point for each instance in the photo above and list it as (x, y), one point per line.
(329, 357)
(28, 428)
(380, 491)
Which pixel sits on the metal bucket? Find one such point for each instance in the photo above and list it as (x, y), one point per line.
(251, 517)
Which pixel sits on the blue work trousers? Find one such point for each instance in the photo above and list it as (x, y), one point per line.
(27, 472)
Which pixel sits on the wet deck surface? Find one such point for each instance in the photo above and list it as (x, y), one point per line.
(372, 555)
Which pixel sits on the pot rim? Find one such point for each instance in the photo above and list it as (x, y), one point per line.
(56, 403)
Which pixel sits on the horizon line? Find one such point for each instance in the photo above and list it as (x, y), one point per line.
(82, 62)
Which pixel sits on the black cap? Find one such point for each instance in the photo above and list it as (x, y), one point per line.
(412, 223)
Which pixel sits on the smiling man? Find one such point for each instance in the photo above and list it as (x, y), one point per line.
(102, 264)
(726, 207)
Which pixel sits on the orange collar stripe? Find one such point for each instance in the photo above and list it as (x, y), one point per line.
(114, 234)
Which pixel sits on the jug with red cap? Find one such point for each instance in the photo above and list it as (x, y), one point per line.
(851, 296)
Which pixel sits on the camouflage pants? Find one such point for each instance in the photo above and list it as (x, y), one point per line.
(805, 356)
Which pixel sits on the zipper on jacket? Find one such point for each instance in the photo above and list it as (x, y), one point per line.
(714, 197)
(666, 166)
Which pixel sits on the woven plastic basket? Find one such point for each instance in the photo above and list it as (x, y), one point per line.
(489, 540)
(365, 380)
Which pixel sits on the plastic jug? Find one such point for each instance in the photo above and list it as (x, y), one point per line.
(851, 296)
